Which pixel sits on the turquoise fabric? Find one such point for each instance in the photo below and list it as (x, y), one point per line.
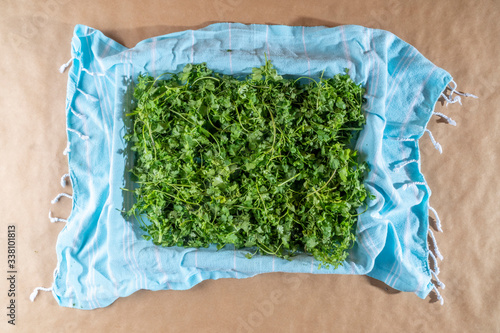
(101, 256)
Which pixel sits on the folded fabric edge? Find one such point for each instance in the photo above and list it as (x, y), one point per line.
(82, 30)
(194, 280)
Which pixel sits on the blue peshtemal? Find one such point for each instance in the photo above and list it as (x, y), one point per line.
(102, 256)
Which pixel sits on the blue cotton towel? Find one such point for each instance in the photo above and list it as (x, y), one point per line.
(101, 256)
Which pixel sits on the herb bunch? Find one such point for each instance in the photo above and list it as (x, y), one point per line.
(260, 162)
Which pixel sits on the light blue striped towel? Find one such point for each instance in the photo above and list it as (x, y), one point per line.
(101, 256)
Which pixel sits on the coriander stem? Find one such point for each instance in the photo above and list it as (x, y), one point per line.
(180, 115)
(152, 140)
(267, 250)
(208, 117)
(239, 119)
(173, 196)
(203, 78)
(331, 177)
(263, 203)
(286, 181)
(305, 77)
(274, 131)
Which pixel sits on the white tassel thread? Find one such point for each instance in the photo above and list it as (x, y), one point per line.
(87, 96)
(448, 119)
(55, 219)
(406, 185)
(59, 196)
(466, 94)
(405, 139)
(456, 98)
(91, 73)
(66, 65)
(80, 135)
(63, 179)
(439, 283)
(450, 100)
(434, 262)
(454, 90)
(439, 297)
(67, 149)
(79, 115)
(434, 142)
(35, 292)
(403, 164)
(434, 245)
(438, 221)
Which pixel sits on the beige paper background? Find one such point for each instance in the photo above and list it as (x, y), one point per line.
(463, 37)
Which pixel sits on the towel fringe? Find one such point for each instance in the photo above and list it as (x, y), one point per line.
(434, 142)
(80, 135)
(453, 89)
(448, 119)
(87, 96)
(451, 101)
(405, 139)
(92, 73)
(63, 179)
(439, 297)
(434, 262)
(67, 149)
(403, 164)
(59, 196)
(66, 65)
(406, 185)
(79, 115)
(436, 249)
(55, 219)
(439, 283)
(34, 294)
(466, 94)
(438, 221)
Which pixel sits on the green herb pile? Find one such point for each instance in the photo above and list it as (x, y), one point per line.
(261, 162)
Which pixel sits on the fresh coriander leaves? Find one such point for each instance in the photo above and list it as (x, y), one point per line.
(262, 162)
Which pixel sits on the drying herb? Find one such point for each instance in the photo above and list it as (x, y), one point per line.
(260, 162)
